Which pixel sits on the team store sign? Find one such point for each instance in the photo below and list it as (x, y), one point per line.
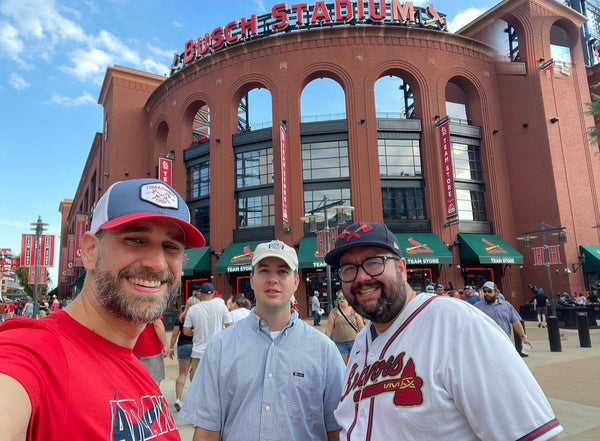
(302, 16)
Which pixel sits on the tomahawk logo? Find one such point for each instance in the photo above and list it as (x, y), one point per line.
(133, 421)
(348, 234)
(384, 376)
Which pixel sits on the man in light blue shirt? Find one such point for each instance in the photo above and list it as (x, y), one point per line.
(270, 377)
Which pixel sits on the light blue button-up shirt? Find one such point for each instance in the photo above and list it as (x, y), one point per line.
(251, 387)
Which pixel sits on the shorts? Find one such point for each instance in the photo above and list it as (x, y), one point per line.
(155, 365)
(542, 310)
(184, 352)
(344, 346)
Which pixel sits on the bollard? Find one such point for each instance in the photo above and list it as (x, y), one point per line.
(583, 329)
(554, 334)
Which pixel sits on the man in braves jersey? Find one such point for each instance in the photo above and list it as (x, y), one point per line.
(73, 375)
(409, 375)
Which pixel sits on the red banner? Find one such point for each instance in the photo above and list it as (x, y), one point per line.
(447, 170)
(63, 265)
(539, 257)
(80, 227)
(42, 276)
(47, 249)
(284, 189)
(165, 172)
(70, 254)
(27, 250)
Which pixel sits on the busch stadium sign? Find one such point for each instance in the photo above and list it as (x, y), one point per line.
(302, 16)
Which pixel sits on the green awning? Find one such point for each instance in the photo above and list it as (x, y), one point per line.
(487, 249)
(237, 257)
(308, 254)
(423, 249)
(592, 258)
(196, 258)
(79, 280)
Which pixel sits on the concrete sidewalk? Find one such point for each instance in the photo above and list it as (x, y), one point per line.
(570, 379)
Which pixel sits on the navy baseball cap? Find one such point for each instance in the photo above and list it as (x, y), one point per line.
(363, 234)
(128, 201)
(207, 288)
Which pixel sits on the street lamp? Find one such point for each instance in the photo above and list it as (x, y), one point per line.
(311, 218)
(552, 321)
(39, 229)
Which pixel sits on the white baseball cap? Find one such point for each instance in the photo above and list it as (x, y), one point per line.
(276, 248)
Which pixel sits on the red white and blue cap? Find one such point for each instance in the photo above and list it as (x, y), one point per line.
(363, 234)
(136, 199)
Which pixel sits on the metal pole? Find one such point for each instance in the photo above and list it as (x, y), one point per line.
(552, 320)
(327, 267)
(39, 229)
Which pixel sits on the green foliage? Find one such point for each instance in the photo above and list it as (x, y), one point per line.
(594, 110)
(23, 276)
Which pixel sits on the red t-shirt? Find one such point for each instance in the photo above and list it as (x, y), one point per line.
(148, 343)
(82, 386)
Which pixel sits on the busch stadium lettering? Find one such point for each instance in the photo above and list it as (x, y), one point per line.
(302, 16)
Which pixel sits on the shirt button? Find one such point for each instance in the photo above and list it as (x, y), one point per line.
(270, 375)
(268, 408)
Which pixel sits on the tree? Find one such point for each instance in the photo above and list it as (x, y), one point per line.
(23, 277)
(594, 110)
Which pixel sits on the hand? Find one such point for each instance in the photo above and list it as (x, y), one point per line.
(171, 353)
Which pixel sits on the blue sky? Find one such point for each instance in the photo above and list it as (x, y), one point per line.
(53, 56)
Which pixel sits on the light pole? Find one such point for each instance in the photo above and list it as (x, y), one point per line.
(311, 218)
(552, 321)
(39, 230)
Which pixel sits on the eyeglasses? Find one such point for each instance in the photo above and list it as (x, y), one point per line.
(373, 266)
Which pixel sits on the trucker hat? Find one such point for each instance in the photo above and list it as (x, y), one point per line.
(128, 201)
(276, 248)
(363, 234)
(490, 285)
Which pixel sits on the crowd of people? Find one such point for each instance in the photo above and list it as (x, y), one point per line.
(24, 307)
(388, 363)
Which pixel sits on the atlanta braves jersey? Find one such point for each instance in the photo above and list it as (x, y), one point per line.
(442, 371)
(80, 385)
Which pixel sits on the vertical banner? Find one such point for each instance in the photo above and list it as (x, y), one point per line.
(27, 250)
(548, 68)
(165, 172)
(443, 126)
(554, 254)
(321, 245)
(333, 235)
(284, 200)
(80, 227)
(70, 254)
(47, 250)
(63, 265)
(538, 256)
(41, 276)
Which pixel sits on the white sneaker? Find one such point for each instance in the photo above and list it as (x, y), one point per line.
(178, 404)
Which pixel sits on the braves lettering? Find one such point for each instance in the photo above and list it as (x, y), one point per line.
(133, 421)
(373, 380)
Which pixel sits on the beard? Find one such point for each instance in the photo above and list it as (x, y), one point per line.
(389, 304)
(490, 298)
(139, 309)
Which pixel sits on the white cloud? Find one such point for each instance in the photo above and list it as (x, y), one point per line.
(463, 18)
(10, 44)
(177, 24)
(18, 82)
(84, 99)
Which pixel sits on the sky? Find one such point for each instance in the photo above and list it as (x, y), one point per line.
(53, 57)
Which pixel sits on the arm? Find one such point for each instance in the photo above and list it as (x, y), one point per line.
(174, 336)
(360, 323)
(188, 331)
(330, 323)
(333, 436)
(159, 327)
(201, 434)
(518, 327)
(15, 409)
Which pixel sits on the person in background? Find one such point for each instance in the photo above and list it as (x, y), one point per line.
(152, 348)
(184, 351)
(240, 308)
(581, 300)
(502, 312)
(292, 373)
(343, 325)
(55, 306)
(408, 368)
(540, 306)
(203, 321)
(470, 296)
(73, 375)
(315, 307)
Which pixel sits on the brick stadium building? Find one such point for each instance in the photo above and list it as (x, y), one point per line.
(489, 142)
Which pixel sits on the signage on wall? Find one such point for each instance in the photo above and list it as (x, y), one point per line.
(302, 16)
(284, 189)
(443, 126)
(165, 172)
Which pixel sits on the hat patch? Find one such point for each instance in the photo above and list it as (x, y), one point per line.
(348, 235)
(276, 245)
(159, 195)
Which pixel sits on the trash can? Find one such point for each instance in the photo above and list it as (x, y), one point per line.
(583, 328)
